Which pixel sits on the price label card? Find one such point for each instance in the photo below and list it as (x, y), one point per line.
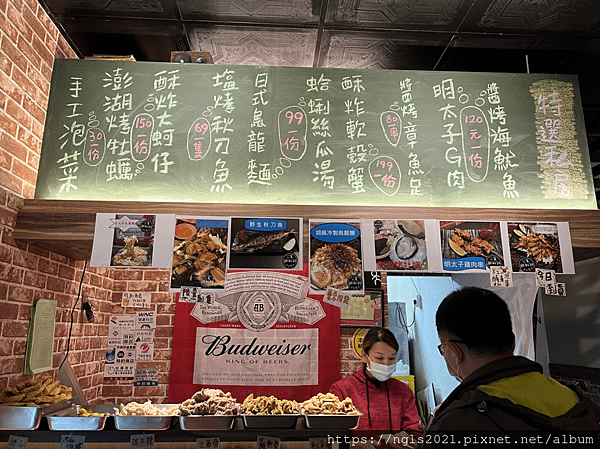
(15, 441)
(142, 440)
(544, 277)
(318, 443)
(337, 298)
(556, 289)
(500, 277)
(263, 442)
(72, 441)
(208, 443)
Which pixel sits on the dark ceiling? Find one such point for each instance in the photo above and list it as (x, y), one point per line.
(542, 36)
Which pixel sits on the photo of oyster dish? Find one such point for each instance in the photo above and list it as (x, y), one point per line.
(131, 254)
(400, 245)
(534, 245)
(478, 244)
(333, 264)
(200, 260)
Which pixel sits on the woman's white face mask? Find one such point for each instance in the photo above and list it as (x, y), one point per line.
(380, 371)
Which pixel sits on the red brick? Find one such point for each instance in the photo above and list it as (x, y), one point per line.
(14, 147)
(5, 159)
(163, 297)
(42, 50)
(14, 15)
(164, 332)
(20, 346)
(7, 124)
(6, 66)
(24, 312)
(9, 365)
(34, 109)
(25, 260)
(56, 284)
(9, 28)
(9, 311)
(158, 390)
(18, 113)
(31, 18)
(66, 272)
(5, 254)
(39, 251)
(11, 274)
(7, 217)
(117, 390)
(142, 286)
(121, 274)
(156, 275)
(23, 82)
(33, 279)
(14, 202)
(165, 309)
(48, 266)
(13, 55)
(15, 329)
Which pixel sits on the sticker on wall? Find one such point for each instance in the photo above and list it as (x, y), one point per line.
(500, 277)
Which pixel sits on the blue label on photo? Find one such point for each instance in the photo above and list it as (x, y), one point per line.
(335, 232)
(265, 224)
(466, 263)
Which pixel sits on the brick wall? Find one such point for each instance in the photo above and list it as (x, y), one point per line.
(29, 43)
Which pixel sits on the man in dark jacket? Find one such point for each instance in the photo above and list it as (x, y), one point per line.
(500, 395)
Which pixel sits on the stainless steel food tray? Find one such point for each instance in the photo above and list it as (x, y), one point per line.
(270, 421)
(20, 418)
(331, 421)
(207, 422)
(146, 422)
(70, 420)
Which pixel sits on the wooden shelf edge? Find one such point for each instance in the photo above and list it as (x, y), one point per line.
(66, 227)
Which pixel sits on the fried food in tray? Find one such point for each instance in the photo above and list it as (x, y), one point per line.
(268, 405)
(209, 401)
(39, 392)
(328, 404)
(146, 409)
(332, 264)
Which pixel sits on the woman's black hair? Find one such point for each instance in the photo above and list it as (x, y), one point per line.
(376, 334)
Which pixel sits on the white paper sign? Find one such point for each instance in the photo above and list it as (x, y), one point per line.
(145, 320)
(319, 443)
(17, 442)
(208, 443)
(144, 351)
(544, 277)
(142, 440)
(500, 277)
(557, 289)
(263, 442)
(337, 298)
(72, 441)
(136, 299)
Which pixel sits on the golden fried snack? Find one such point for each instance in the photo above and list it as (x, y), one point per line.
(268, 405)
(328, 404)
(38, 392)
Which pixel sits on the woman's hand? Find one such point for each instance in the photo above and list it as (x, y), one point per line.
(401, 440)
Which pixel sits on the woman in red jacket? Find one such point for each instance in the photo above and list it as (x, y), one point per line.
(388, 405)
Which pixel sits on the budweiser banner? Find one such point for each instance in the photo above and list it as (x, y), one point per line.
(263, 334)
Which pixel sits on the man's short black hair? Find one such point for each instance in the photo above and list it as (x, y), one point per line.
(477, 317)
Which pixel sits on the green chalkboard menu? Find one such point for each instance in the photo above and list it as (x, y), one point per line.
(118, 130)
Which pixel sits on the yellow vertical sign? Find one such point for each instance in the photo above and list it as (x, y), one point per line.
(357, 341)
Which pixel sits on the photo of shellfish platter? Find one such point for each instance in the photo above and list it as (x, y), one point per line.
(266, 243)
(534, 245)
(400, 245)
(199, 253)
(479, 243)
(335, 256)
